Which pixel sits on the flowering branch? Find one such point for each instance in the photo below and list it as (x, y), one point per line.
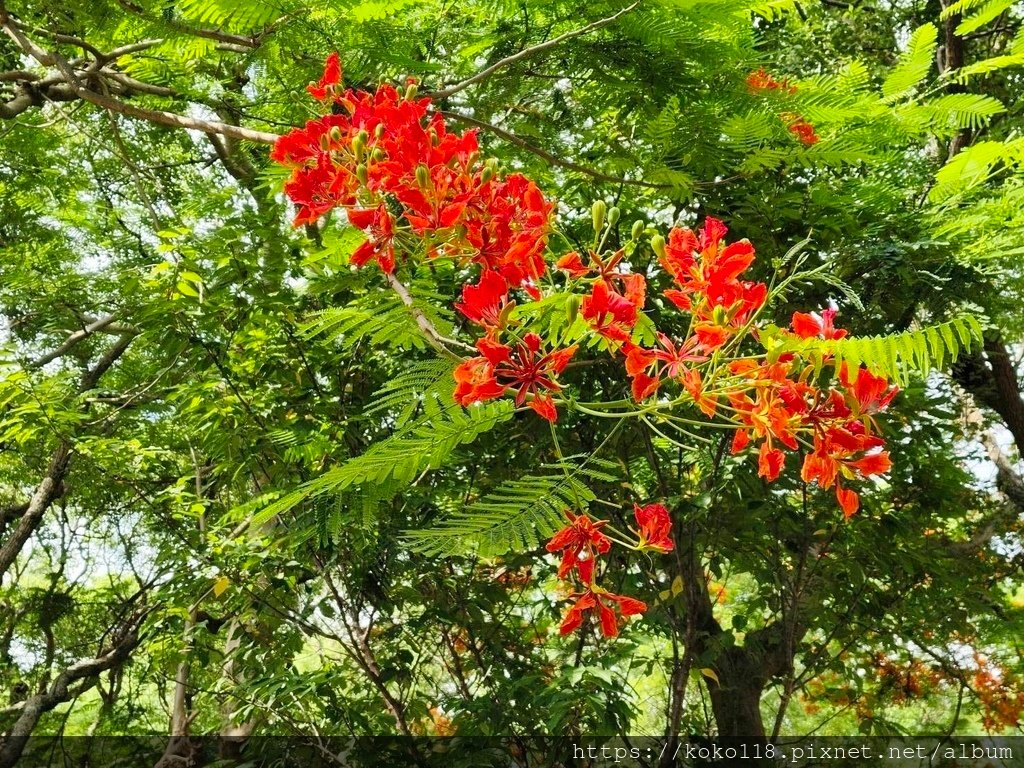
(421, 193)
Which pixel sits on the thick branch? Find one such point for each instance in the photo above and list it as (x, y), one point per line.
(49, 489)
(107, 323)
(60, 691)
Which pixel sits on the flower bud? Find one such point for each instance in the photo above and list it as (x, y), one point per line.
(325, 142)
(422, 176)
(718, 315)
(379, 131)
(658, 245)
(411, 90)
(359, 144)
(377, 155)
(613, 215)
(598, 211)
(638, 229)
(335, 133)
(362, 174)
(486, 174)
(572, 308)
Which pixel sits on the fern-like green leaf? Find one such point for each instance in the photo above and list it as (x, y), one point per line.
(958, 111)
(894, 356)
(988, 12)
(425, 443)
(974, 166)
(401, 397)
(914, 64)
(382, 319)
(517, 515)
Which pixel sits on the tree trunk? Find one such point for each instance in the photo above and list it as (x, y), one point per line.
(736, 700)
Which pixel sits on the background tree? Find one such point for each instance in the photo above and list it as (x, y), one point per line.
(178, 359)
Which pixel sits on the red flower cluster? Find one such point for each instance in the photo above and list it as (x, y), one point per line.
(772, 404)
(581, 542)
(399, 172)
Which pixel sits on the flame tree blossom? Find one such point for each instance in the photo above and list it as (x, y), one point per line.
(421, 193)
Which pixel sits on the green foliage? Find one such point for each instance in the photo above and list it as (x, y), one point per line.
(424, 443)
(896, 356)
(276, 470)
(974, 166)
(516, 515)
(914, 63)
(379, 319)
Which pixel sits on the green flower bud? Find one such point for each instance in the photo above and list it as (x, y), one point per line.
(379, 131)
(613, 215)
(422, 176)
(718, 314)
(411, 91)
(325, 142)
(638, 229)
(362, 174)
(658, 245)
(335, 133)
(598, 211)
(572, 308)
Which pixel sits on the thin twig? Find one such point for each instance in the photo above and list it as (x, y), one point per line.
(434, 338)
(511, 138)
(527, 52)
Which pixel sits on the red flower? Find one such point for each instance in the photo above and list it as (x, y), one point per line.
(380, 241)
(573, 265)
(867, 394)
(483, 303)
(324, 89)
(522, 368)
(694, 385)
(769, 461)
(599, 598)
(654, 526)
(475, 382)
(760, 80)
(813, 325)
(800, 128)
(610, 313)
(580, 543)
(668, 361)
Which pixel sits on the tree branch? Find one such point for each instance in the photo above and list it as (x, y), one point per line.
(77, 88)
(511, 138)
(434, 338)
(527, 52)
(61, 691)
